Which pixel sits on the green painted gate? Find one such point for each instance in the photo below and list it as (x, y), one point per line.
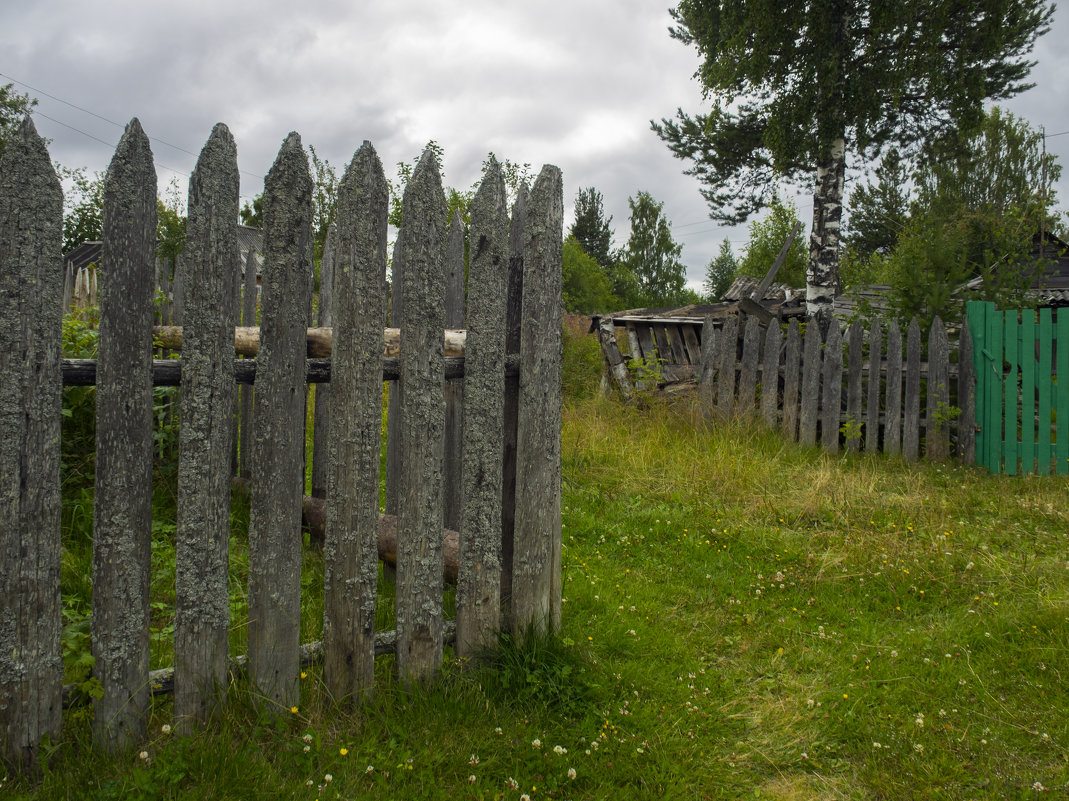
(1022, 408)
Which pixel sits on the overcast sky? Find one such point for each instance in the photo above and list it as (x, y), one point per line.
(572, 83)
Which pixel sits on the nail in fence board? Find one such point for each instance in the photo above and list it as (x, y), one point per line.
(453, 459)
(792, 353)
(872, 413)
(911, 422)
(892, 442)
(202, 599)
(478, 596)
(536, 557)
(810, 394)
(833, 388)
(123, 498)
(936, 429)
(770, 374)
(354, 432)
(278, 482)
(31, 314)
(419, 500)
(855, 336)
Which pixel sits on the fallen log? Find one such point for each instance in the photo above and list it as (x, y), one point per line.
(314, 515)
(320, 340)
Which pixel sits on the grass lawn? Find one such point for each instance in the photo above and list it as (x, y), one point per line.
(743, 618)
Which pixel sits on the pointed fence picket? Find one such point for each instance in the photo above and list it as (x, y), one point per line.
(507, 562)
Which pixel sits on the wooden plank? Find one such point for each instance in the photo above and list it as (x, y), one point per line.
(690, 339)
(321, 413)
(1061, 349)
(632, 343)
(770, 374)
(419, 512)
(792, 365)
(975, 315)
(993, 402)
(966, 448)
(202, 553)
(649, 350)
(676, 373)
(478, 597)
(536, 587)
(613, 360)
(452, 450)
(664, 344)
(892, 433)
(675, 339)
(725, 384)
(751, 347)
(709, 364)
(809, 399)
(1028, 391)
(354, 433)
(31, 317)
(122, 511)
(832, 397)
(278, 456)
(1010, 389)
(911, 415)
(937, 411)
(513, 311)
(1045, 372)
(855, 337)
(872, 411)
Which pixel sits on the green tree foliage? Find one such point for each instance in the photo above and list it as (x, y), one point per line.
(252, 214)
(767, 236)
(652, 256)
(13, 107)
(795, 86)
(586, 286)
(591, 227)
(878, 212)
(324, 201)
(83, 209)
(720, 273)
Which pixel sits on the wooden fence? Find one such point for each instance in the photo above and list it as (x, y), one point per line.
(859, 391)
(507, 538)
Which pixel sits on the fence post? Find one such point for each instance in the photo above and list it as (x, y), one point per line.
(872, 418)
(31, 316)
(452, 451)
(419, 511)
(478, 596)
(792, 351)
(710, 362)
(277, 488)
(936, 431)
(725, 379)
(832, 400)
(202, 598)
(351, 538)
(892, 432)
(770, 374)
(855, 336)
(810, 395)
(751, 346)
(536, 574)
(513, 309)
(123, 500)
(911, 419)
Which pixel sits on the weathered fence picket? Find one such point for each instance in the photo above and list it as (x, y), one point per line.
(831, 399)
(31, 312)
(770, 375)
(202, 599)
(751, 344)
(810, 394)
(911, 411)
(872, 418)
(351, 538)
(791, 379)
(122, 518)
(855, 343)
(893, 429)
(278, 438)
(509, 361)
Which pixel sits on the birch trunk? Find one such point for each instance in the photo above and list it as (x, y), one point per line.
(822, 274)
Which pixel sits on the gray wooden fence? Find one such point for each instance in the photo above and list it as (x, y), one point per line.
(854, 391)
(508, 575)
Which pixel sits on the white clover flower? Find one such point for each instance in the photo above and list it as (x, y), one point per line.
(369, 769)
(571, 773)
(143, 755)
(166, 728)
(471, 779)
(328, 779)
(307, 738)
(558, 750)
(512, 784)
(536, 743)
(474, 759)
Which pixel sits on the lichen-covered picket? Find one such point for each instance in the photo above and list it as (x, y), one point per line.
(31, 295)
(278, 439)
(359, 307)
(202, 599)
(122, 509)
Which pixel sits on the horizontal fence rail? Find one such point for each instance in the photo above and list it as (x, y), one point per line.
(501, 354)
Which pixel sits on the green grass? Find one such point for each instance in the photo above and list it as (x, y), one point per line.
(744, 618)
